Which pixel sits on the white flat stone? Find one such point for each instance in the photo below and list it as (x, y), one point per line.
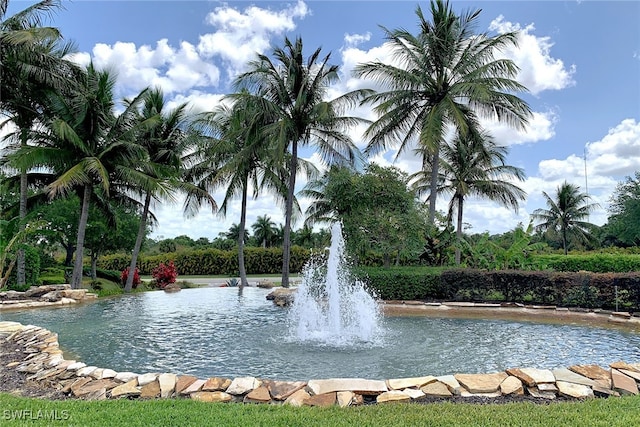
(242, 385)
(167, 384)
(356, 385)
(402, 383)
(76, 366)
(86, 371)
(145, 379)
(578, 391)
(571, 377)
(125, 377)
(540, 375)
(511, 385)
(414, 393)
(108, 373)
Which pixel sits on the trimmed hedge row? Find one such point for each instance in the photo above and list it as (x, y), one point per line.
(213, 261)
(596, 263)
(609, 291)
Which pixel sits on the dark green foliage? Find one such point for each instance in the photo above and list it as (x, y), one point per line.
(32, 270)
(213, 261)
(404, 283)
(567, 289)
(596, 263)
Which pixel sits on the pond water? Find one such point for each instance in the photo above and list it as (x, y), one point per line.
(210, 332)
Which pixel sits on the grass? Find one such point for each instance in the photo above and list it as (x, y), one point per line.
(624, 411)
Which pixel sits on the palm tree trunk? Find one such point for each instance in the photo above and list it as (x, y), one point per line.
(136, 247)
(433, 186)
(76, 278)
(286, 244)
(564, 240)
(21, 276)
(459, 232)
(94, 265)
(243, 221)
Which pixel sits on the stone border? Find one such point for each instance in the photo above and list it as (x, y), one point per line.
(43, 363)
(44, 296)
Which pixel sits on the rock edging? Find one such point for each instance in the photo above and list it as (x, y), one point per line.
(44, 296)
(41, 360)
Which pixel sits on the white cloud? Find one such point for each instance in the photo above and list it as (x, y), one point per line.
(540, 128)
(173, 69)
(239, 35)
(352, 40)
(539, 71)
(618, 153)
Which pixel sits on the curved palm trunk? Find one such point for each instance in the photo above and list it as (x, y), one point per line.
(243, 221)
(76, 279)
(136, 247)
(435, 161)
(286, 244)
(21, 262)
(459, 231)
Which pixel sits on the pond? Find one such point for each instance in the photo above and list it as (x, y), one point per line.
(214, 331)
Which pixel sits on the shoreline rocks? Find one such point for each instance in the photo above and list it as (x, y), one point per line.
(44, 296)
(35, 353)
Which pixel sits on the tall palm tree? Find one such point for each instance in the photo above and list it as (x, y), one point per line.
(31, 62)
(244, 158)
(166, 141)
(295, 91)
(264, 230)
(85, 146)
(473, 166)
(440, 78)
(566, 214)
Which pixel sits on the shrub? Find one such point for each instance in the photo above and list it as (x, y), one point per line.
(125, 275)
(164, 274)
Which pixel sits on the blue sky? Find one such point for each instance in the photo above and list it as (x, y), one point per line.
(579, 59)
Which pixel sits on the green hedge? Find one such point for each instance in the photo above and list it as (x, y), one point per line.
(213, 261)
(567, 289)
(596, 263)
(403, 283)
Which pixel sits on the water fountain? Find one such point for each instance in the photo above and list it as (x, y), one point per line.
(332, 307)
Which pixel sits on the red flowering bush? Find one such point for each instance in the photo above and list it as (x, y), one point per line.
(164, 274)
(125, 275)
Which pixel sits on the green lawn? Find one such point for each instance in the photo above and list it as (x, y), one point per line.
(611, 412)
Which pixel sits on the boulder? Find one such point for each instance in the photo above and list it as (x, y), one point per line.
(282, 297)
(172, 287)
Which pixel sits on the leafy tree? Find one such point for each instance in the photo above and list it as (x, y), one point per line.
(104, 235)
(31, 63)
(294, 91)
(624, 212)
(85, 147)
(442, 76)
(473, 166)
(377, 210)
(243, 156)
(166, 140)
(565, 215)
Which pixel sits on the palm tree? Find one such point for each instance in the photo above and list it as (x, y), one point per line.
(473, 166)
(85, 146)
(441, 78)
(244, 159)
(31, 62)
(294, 91)
(166, 141)
(264, 230)
(565, 214)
